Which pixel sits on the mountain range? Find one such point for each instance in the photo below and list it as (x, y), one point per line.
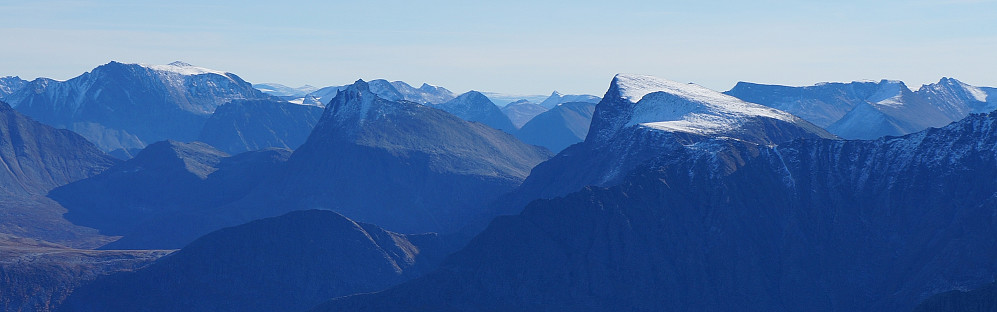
(868, 110)
(520, 112)
(440, 170)
(385, 197)
(734, 224)
(125, 106)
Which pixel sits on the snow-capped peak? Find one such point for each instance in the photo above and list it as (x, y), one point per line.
(890, 93)
(183, 68)
(680, 107)
(974, 92)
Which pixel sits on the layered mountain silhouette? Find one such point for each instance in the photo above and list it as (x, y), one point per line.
(286, 263)
(249, 125)
(37, 158)
(165, 181)
(558, 98)
(125, 106)
(727, 224)
(868, 110)
(642, 117)
(559, 127)
(405, 166)
(520, 112)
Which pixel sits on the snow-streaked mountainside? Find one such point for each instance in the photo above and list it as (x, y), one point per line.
(277, 89)
(503, 99)
(130, 105)
(867, 110)
(425, 94)
(727, 225)
(957, 98)
(9, 85)
(520, 112)
(476, 107)
(558, 98)
(37, 158)
(286, 263)
(248, 125)
(642, 117)
(559, 127)
(660, 104)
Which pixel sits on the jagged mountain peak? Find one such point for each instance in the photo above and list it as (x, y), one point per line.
(660, 104)
(352, 104)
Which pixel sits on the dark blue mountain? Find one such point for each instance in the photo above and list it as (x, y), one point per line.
(730, 225)
(981, 299)
(167, 179)
(37, 158)
(249, 125)
(286, 263)
(559, 127)
(129, 105)
(404, 166)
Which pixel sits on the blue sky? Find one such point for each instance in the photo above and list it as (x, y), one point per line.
(512, 46)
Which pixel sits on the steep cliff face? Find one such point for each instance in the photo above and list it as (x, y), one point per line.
(34, 158)
(641, 117)
(723, 224)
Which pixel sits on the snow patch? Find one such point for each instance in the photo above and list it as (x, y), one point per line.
(673, 106)
(182, 68)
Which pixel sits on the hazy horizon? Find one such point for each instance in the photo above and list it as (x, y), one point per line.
(517, 47)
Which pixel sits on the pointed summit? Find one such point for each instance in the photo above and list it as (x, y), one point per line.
(556, 98)
(476, 107)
